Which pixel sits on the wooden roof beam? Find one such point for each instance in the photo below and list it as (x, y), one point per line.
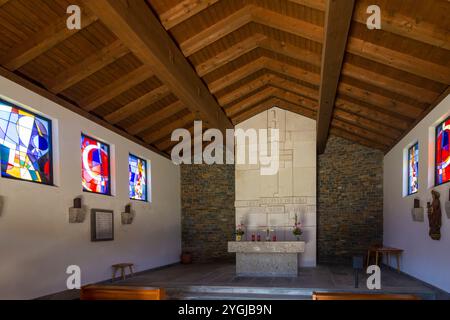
(116, 88)
(158, 134)
(338, 18)
(138, 104)
(357, 139)
(87, 67)
(2, 2)
(315, 4)
(253, 99)
(399, 60)
(131, 21)
(408, 27)
(158, 116)
(42, 41)
(371, 135)
(183, 11)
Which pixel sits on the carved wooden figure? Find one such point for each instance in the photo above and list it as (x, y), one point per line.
(435, 216)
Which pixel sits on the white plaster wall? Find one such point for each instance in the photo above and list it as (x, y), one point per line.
(274, 200)
(423, 258)
(36, 241)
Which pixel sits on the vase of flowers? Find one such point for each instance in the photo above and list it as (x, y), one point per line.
(297, 231)
(239, 232)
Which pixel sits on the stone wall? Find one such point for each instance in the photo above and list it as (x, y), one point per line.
(350, 200)
(208, 215)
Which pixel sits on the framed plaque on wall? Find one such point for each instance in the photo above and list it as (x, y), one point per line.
(102, 225)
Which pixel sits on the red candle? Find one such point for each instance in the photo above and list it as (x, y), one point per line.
(259, 237)
(274, 238)
(253, 237)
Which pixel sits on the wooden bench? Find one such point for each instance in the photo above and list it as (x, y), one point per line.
(362, 296)
(99, 292)
(122, 267)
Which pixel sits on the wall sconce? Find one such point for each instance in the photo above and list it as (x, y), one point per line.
(447, 205)
(417, 212)
(77, 213)
(128, 215)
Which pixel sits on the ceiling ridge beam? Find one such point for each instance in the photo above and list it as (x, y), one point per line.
(183, 11)
(131, 21)
(137, 105)
(338, 17)
(116, 88)
(87, 67)
(42, 41)
(155, 117)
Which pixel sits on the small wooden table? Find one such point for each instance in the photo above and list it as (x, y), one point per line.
(387, 251)
(122, 267)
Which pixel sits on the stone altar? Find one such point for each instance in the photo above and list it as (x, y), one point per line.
(267, 259)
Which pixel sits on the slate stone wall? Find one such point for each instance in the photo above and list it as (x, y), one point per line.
(208, 214)
(350, 200)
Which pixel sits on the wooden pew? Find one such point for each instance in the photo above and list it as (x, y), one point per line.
(362, 296)
(99, 292)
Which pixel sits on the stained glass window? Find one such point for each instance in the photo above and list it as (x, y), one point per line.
(137, 170)
(95, 166)
(413, 169)
(25, 145)
(443, 152)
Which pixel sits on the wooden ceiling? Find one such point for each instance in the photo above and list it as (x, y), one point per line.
(147, 67)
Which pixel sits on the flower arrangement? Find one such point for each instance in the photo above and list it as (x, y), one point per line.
(240, 230)
(297, 231)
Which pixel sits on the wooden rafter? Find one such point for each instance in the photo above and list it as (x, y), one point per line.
(230, 54)
(351, 136)
(2, 2)
(408, 27)
(315, 4)
(183, 11)
(42, 41)
(87, 67)
(116, 88)
(131, 21)
(372, 113)
(253, 99)
(399, 60)
(138, 104)
(156, 117)
(374, 136)
(159, 134)
(67, 105)
(337, 25)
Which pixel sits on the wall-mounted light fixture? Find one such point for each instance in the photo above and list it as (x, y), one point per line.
(417, 212)
(128, 215)
(77, 213)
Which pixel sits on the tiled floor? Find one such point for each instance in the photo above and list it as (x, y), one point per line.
(221, 279)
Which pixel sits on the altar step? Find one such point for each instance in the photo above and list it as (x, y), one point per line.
(258, 293)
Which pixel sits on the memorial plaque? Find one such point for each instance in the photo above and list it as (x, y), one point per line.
(102, 225)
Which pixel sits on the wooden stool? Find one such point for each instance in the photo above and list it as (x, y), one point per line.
(122, 267)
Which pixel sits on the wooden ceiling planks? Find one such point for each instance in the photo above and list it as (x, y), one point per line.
(250, 54)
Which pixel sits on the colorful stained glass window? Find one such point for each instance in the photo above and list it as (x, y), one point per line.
(137, 170)
(95, 166)
(25, 144)
(443, 152)
(413, 169)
